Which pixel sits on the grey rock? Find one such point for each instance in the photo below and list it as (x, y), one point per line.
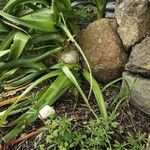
(140, 96)
(133, 18)
(110, 8)
(103, 49)
(139, 60)
(110, 14)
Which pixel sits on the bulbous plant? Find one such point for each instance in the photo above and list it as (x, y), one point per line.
(46, 25)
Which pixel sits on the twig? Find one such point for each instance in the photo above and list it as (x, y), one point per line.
(26, 137)
(10, 101)
(13, 92)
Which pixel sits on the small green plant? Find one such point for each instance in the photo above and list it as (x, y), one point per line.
(132, 142)
(99, 134)
(59, 135)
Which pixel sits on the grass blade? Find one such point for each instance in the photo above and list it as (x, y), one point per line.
(111, 83)
(98, 94)
(69, 74)
(7, 74)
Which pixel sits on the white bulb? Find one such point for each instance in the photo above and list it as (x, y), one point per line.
(69, 56)
(46, 112)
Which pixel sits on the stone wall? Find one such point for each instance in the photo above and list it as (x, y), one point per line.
(133, 18)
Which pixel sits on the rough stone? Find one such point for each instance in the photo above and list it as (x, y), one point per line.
(133, 18)
(104, 50)
(140, 96)
(139, 60)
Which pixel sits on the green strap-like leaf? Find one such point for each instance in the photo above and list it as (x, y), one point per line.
(47, 37)
(69, 74)
(28, 62)
(20, 73)
(13, 133)
(98, 94)
(44, 22)
(3, 28)
(7, 40)
(7, 74)
(2, 53)
(13, 3)
(27, 79)
(38, 81)
(54, 91)
(19, 43)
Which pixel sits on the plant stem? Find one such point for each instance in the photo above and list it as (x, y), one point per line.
(22, 138)
(81, 51)
(101, 5)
